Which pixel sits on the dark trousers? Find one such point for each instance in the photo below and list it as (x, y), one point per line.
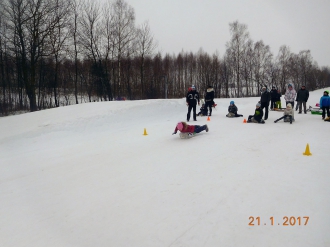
(325, 108)
(189, 110)
(265, 105)
(273, 103)
(208, 105)
(300, 104)
(283, 118)
(199, 128)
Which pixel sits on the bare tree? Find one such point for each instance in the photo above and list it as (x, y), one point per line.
(145, 47)
(236, 48)
(124, 34)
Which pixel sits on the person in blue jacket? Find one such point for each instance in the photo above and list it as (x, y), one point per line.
(325, 104)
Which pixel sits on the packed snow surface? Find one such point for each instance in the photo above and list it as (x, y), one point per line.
(86, 176)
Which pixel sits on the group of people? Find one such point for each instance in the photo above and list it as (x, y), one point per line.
(273, 98)
(192, 99)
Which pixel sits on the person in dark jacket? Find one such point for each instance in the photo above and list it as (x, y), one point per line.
(278, 100)
(264, 100)
(203, 111)
(232, 110)
(273, 98)
(257, 117)
(209, 99)
(302, 98)
(192, 99)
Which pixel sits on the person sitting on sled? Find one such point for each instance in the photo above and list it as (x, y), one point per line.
(183, 127)
(232, 110)
(203, 111)
(257, 117)
(288, 114)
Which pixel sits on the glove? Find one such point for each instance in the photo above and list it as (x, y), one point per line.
(173, 133)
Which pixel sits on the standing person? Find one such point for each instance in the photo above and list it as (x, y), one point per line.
(290, 95)
(192, 99)
(264, 100)
(209, 99)
(325, 104)
(302, 98)
(278, 100)
(273, 98)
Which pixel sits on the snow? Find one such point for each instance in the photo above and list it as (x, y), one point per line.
(85, 175)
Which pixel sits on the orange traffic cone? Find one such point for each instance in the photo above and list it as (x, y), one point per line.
(307, 152)
(244, 121)
(208, 118)
(145, 132)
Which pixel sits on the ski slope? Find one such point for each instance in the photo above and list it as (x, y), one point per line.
(86, 176)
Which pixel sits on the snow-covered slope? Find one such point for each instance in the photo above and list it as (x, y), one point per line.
(85, 175)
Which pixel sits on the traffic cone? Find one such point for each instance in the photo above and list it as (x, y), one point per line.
(208, 118)
(145, 132)
(244, 121)
(307, 152)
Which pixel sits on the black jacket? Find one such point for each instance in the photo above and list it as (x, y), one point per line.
(209, 96)
(265, 97)
(278, 96)
(273, 94)
(203, 110)
(232, 109)
(302, 95)
(192, 98)
(258, 114)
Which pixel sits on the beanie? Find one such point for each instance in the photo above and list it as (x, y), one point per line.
(232, 102)
(179, 126)
(258, 104)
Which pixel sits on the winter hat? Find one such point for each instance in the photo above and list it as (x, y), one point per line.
(209, 86)
(179, 126)
(193, 87)
(258, 104)
(290, 85)
(273, 86)
(326, 91)
(289, 106)
(232, 102)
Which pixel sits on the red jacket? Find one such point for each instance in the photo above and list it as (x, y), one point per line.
(189, 129)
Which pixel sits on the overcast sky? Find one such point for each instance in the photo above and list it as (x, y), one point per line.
(192, 24)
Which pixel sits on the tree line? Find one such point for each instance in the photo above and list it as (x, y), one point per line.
(61, 52)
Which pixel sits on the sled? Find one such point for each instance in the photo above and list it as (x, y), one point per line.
(315, 111)
(186, 135)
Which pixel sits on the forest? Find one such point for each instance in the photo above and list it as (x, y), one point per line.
(62, 52)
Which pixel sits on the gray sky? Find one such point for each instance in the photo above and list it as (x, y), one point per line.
(191, 24)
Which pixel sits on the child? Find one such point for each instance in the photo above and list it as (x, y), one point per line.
(232, 110)
(183, 127)
(203, 111)
(325, 104)
(278, 100)
(288, 114)
(257, 117)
